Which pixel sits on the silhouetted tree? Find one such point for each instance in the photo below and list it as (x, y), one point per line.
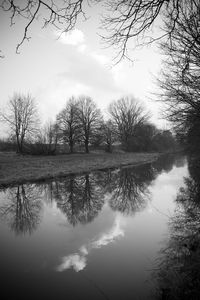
(68, 123)
(109, 132)
(164, 141)
(89, 119)
(127, 114)
(21, 116)
(143, 139)
(180, 81)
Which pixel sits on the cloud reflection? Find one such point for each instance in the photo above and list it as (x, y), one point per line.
(78, 261)
(75, 261)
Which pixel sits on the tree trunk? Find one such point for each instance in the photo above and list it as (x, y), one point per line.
(86, 146)
(71, 146)
(19, 149)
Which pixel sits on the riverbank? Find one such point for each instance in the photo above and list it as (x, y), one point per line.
(16, 169)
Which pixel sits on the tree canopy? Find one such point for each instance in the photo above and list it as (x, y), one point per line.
(179, 82)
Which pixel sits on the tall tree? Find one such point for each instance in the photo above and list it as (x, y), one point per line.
(89, 118)
(68, 123)
(143, 139)
(109, 135)
(126, 114)
(22, 118)
(180, 83)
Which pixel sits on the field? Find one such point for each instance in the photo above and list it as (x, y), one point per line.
(16, 169)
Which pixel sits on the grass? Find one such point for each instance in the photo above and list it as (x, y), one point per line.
(16, 169)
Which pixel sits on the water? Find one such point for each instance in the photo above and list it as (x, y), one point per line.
(92, 236)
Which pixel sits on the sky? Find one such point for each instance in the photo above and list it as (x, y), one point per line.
(52, 69)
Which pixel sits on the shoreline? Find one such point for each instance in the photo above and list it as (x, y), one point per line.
(15, 169)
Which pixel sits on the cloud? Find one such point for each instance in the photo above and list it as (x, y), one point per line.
(109, 237)
(75, 37)
(102, 59)
(78, 261)
(84, 69)
(75, 261)
(88, 68)
(82, 48)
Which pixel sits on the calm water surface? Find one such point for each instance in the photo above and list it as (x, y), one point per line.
(94, 236)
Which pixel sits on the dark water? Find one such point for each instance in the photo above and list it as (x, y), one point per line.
(94, 236)
(178, 263)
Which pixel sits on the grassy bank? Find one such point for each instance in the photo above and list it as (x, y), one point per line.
(15, 169)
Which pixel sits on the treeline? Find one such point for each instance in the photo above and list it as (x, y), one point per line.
(80, 126)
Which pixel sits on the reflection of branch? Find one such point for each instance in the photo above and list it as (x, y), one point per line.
(130, 189)
(23, 209)
(79, 198)
(178, 271)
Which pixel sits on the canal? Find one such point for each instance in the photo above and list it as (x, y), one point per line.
(97, 235)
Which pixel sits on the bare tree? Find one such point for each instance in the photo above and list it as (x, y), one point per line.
(135, 20)
(22, 118)
(47, 139)
(89, 118)
(109, 134)
(180, 84)
(68, 123)
(122, 20)
(126, 114)
(60, 15)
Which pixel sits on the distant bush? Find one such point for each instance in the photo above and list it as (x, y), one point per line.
(148, 138)
(7, 145)
(39, 149)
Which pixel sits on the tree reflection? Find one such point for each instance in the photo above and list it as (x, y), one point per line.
(79, 198)
(130, 189)
(164, 163)
(179, 273)
(22, 209)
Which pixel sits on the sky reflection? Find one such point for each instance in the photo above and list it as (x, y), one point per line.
(78, 261)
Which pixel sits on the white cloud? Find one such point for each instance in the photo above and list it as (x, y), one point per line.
(82, 48)
(109, 237)
(84, 69)
(78, 261)
(75, 37)
(102, 59)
